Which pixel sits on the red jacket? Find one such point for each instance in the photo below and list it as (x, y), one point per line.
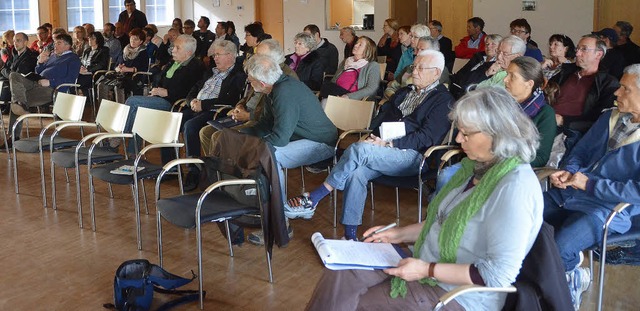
(34, 46)
(464, 51)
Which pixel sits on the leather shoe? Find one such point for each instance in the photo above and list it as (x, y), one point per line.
(191, 180)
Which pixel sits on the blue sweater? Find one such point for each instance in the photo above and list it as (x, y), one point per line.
(614, 176)
(60, 69)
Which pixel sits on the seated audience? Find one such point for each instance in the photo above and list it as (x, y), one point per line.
(134, 59)
(110, 41)
(164, 53)
(93, 59)
(23, 61)
(423, 107)
(561, 51)
(521, 28)
(389, 44)
(43, 40)
(417, 31)
(446, 46)
(306, 61)
(89, 28)
(509, 48)
(349, 38)
(231, 34)
(630, 50)
(474, 42)
(476, 66)
(121, 35)
(404, 38)
(80, 40)
(326, 49)
(177, 25)
(204, 36)
(600, 172)
(155, 39)
(7, 50)
(357, 76)
(613, 61)
(189, 27)
(151, 47)
(479, 229)
(254, 34)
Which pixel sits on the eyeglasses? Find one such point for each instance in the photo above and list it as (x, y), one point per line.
(505, 54)
(515, 31)
(220, 54)
(466, 136)
(414, 67)
(584, 49)
(413, 37)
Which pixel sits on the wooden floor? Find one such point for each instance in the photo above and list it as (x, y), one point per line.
(48, 263)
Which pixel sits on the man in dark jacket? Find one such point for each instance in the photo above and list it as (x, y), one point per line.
(423, 108)
(131, 17)
(446, 46)
(327, 51)
(204, 36)
(629, 49)
(23, 61)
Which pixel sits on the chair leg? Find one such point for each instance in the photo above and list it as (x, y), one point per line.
(4, 134)
(53, 185)
(226, 228)
(136, 204)
(302, 177)
(78, 195)
(15, 161)
(110, 191)
(397, 203)
(267, 255)
(286, 182)
(92, 198)
(603, 263)
(591, 265)
(66, 174)
(420, 189)
(200, 270)
(144, 197)
(42, 182)
(373, 204)
(159, 236)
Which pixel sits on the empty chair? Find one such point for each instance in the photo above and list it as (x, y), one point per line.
(110, 119)
(160, 129)
(66, 108)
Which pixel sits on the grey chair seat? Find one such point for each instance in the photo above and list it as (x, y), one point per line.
(66, 157)
(180, 210)
(103, 172)
(30, 144)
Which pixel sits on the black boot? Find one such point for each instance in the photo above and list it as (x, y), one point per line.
(192, 179)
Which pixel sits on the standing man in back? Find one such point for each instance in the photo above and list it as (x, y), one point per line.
(131, 17)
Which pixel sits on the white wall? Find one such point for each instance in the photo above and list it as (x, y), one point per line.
(227, 11)
(571, 17)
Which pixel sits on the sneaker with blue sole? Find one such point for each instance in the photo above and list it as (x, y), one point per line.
(300, 207)
(579, 280)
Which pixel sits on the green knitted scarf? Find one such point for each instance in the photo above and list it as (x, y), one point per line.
(455, 224)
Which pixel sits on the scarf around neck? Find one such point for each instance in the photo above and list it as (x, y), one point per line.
(352, 63)
(534, 103)
(454, 226)
(130, 53)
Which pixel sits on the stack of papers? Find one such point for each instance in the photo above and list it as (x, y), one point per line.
(344, 255)
(125, 170)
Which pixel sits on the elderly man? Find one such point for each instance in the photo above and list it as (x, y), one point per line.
(423, 108)
(585, 90)
(629, 49)
(292, 119)
(474, 42)
(446, 46)
(600, 172)
(349, 38)
(131, 17)
(164, 53)
(61, 67)
(326, 49)
(510, 48)
(613, 61)
(520, 27)
(222, 85)
(44, 40)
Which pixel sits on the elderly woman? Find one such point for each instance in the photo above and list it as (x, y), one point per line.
(417, 31)
(134, 59)
(479, 62)
(357, 76)
(509, 48)
(80, 40)
(525, 81)
(306, 62)
(489, 215)
(389, 44)
(561, 51)
(253, 34)
(93, 59)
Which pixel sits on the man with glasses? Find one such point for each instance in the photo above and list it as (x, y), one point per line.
(131, 17)
(44, 40)
(521, 28)
(189, 27)
(585, 90)
(446, 46)
(474, 42)
(510, 48)
(422, 108)
(417, 31)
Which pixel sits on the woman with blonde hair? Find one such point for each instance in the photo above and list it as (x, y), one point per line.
(389, 44)
(80, 40)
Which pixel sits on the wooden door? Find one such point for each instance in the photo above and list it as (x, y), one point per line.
(608, 12)
(404, 11)
(341, 13)
(453, 14)
(270, 13)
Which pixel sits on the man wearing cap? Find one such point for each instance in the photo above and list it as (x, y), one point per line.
(613, 61)
(131, 17)
(629, 49)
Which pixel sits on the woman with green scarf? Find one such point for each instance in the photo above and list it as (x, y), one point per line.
(478, 228)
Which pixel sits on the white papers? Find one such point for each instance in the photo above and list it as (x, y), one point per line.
(125, 170)
(344, 255)
(392, 130)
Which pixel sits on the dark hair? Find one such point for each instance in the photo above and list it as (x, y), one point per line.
(437, 24)
(521, 22)
(530, 69)
(231, 25)
(43, 28)
(206, 20)
(66, 38)
(477, 22)
(313, 29)
(567, 42)
(177, 19)
(99, 38)
(111, 26)
(138, 33)
(625, 28)
(551, 92)
(405, 28)
(148, 31)
(255, 30)
(48, 25)
(129, 1)
(224, 26)
(190, 23)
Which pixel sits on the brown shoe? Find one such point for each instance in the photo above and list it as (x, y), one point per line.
(19, 109)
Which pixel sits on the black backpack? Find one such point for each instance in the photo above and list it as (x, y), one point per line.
(137, 279)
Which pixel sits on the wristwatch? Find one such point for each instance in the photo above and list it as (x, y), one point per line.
(430, 276)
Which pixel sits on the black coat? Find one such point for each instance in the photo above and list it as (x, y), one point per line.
(231, 90)
(99, 60)
(310, 70)
(23, 63)
(183, 79)
(329, 53)
(446, 47)
(138, 20)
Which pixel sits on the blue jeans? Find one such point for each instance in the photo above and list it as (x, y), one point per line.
(298, 153)
(153, 102)
(192, 123)
(362, 162)
(574, 231)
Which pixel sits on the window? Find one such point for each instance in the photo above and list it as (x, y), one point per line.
(84, 11)
(115, 7)
(19, 15)
(160, 12)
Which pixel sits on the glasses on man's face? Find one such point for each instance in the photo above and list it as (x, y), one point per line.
(515, 31)
(420, 69)
(584, 49)
(505, 54)
(220, 54)
(466, 135)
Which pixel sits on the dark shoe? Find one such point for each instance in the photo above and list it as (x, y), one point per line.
(191, 180)
(8, 143)
(237, 233)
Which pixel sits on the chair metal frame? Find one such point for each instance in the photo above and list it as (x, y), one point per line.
(203, 196)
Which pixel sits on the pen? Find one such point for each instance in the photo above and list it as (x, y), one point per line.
(385, 228)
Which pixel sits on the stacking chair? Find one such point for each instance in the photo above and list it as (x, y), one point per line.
(160, 129)
(110, 119)
(213, 205)
(66, 108)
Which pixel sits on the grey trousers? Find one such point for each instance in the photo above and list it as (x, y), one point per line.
(29, 92)
(369, 290)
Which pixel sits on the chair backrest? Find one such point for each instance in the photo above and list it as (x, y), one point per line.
(349, 114)
(382, 59)
(112, 116)
(69, 107)
(383, 68)
(157, 126)
(459, 63)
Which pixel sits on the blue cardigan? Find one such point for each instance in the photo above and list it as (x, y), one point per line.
(60, 69)
(614, 176)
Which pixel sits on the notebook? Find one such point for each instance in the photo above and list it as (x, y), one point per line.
(344, 255)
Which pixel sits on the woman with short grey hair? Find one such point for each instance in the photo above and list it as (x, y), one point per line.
(306, 61)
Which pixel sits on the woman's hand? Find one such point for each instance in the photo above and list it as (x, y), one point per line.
(392, 235)
(410, 269)
(547, 63)
(83, 70)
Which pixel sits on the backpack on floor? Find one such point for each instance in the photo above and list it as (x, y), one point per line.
(137, 279)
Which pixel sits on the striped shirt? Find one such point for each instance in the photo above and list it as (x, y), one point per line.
(211, 87)
(414, 98)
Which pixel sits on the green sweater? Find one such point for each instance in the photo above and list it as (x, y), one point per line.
(545, 122)
(293, 112)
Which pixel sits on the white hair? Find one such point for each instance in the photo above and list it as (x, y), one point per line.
(263, 68)
(433, 43)
(518, 46)
(421, 30)
(437, 58)
(189, 43)
(634, 70)
(275, 50)
(226, 45)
